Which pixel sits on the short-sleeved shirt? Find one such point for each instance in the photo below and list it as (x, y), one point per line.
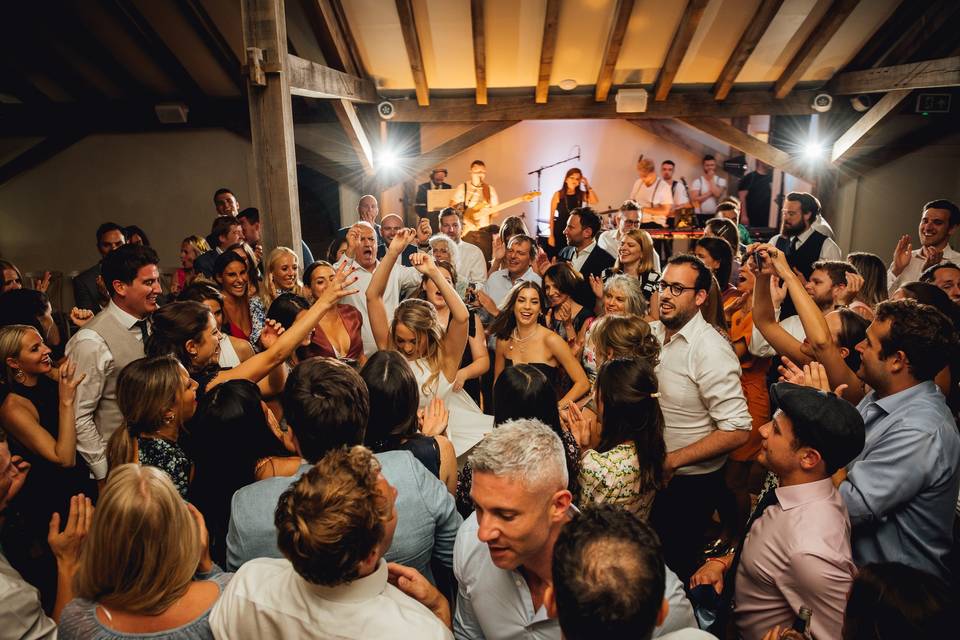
(710, 204)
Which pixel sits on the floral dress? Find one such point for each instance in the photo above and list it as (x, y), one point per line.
(169, 457)
(614, 477)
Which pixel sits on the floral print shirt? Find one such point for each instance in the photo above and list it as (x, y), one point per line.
(614, 477)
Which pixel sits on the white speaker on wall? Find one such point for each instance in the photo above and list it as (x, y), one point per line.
(632, 100)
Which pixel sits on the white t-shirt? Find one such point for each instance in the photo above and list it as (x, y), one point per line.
(710, 204)
(658, 193)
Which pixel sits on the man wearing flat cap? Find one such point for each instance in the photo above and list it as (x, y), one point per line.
(796, 548)
(438, 180)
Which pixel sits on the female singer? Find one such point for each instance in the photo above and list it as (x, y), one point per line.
(575, 192)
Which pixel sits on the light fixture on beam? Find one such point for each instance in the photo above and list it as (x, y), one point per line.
(632, 100)
(172, 112)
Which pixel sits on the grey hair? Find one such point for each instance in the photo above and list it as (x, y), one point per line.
(525, 449)
(636, 303)
(452, 247)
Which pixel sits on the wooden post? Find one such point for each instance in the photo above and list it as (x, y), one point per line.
(271, 121)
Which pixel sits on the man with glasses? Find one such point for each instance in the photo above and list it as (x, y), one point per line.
(704, 412)
(629, 219)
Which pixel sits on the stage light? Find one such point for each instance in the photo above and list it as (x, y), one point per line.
(813, 151)
(387, 159)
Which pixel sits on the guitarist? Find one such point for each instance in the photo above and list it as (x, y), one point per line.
(476, 197)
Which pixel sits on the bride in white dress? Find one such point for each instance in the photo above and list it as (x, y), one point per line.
(434, 355)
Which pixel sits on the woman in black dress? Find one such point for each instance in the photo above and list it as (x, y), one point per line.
(575, 192)
(38, 415)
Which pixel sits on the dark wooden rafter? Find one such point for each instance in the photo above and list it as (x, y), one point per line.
(937, 26)
(208, 31)
(446, 150)
(678, 47)
(131, 18)
(927, 74)
(748, 42)
(411, 40)
(664, 129)
(38, 154)
(333, 34)
(883, 107)
(548, 47)
(580, 106)
(16, 82)
(738, 139)
(813, 45)
(611, 52)
(877, 49)
(479, 49)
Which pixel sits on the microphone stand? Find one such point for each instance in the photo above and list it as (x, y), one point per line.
(539, 173)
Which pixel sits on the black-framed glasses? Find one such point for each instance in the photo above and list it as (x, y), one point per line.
(676, 290)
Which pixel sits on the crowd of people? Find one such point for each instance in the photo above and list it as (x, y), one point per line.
(422, 437)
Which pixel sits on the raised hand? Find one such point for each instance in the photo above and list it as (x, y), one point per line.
(69, 382)
(902, 255)
(575, 422)
(562, 313)
(778, 291)
(791, 372)
(434, 417)
(340, 285)
(596, 285)
(815, 375)
(423, 263)
(849, 293)
(541, 263)
(80, 317)
(353, 242)
(931, 256)
(401, 240)
(499, 250)
(43, 283)
(424, 230)
(17, 472)
(66, 544)
(270, 332)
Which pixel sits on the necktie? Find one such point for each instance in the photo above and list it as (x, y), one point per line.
(729, 583)
(142, 324)
(794, 243)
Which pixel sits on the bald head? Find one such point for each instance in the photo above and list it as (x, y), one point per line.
(368, 209)
(390, 225)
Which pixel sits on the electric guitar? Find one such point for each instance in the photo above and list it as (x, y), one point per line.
(480, 217)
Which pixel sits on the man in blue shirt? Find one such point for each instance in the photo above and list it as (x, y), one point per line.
(901, 491)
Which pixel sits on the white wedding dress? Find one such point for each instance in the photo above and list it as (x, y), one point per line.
(467, 424)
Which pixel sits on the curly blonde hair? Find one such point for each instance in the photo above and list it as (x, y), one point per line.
(332, 518)
(620, 336)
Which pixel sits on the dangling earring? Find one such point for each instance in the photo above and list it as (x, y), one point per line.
(167, 419)
(19, 376)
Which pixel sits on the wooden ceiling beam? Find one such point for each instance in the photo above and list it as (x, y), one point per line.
(582, 106)
(842, 147)
(663, 129)
(738, 139)
(748, 42)
(813, 45)
(208, 31)
(16, 82)
(611, 53)
(920, 35)
(309, 79)
(548, 47)
(411, 40)
(678, 47)
(928, 74)
(882, 42)
(132, 20)
(333, 34)
(411, 168)
(356, 134)
(479, 49)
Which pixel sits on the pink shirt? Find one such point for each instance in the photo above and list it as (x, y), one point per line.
(796, 554)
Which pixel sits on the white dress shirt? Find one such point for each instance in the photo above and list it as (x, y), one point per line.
(471, 265)
(829, 251)
(268, 599)
(761, 348)
(496, 603)
(609, 241)
(400, 278)
(499, 284)
(654, 195)
(580, 256)
(702, 186)
(915, 268)
(700, 389)
(90, 353)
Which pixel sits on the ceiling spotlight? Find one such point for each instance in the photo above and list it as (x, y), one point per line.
(813, 150)
(387, 159)
(569, 84)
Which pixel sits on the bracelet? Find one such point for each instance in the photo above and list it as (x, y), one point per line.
(725, 565)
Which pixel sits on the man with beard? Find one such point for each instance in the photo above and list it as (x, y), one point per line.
(105, 345)
(704, 410)
(939, 221)
(800, 242)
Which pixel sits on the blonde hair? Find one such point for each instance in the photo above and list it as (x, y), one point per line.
(197, 243)
(420, 317)
(452, 247)
(645, 165)
(146, 390)
(11, 343)
(624, 336)
(269, 291)
(642, 238)
(144, 546)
